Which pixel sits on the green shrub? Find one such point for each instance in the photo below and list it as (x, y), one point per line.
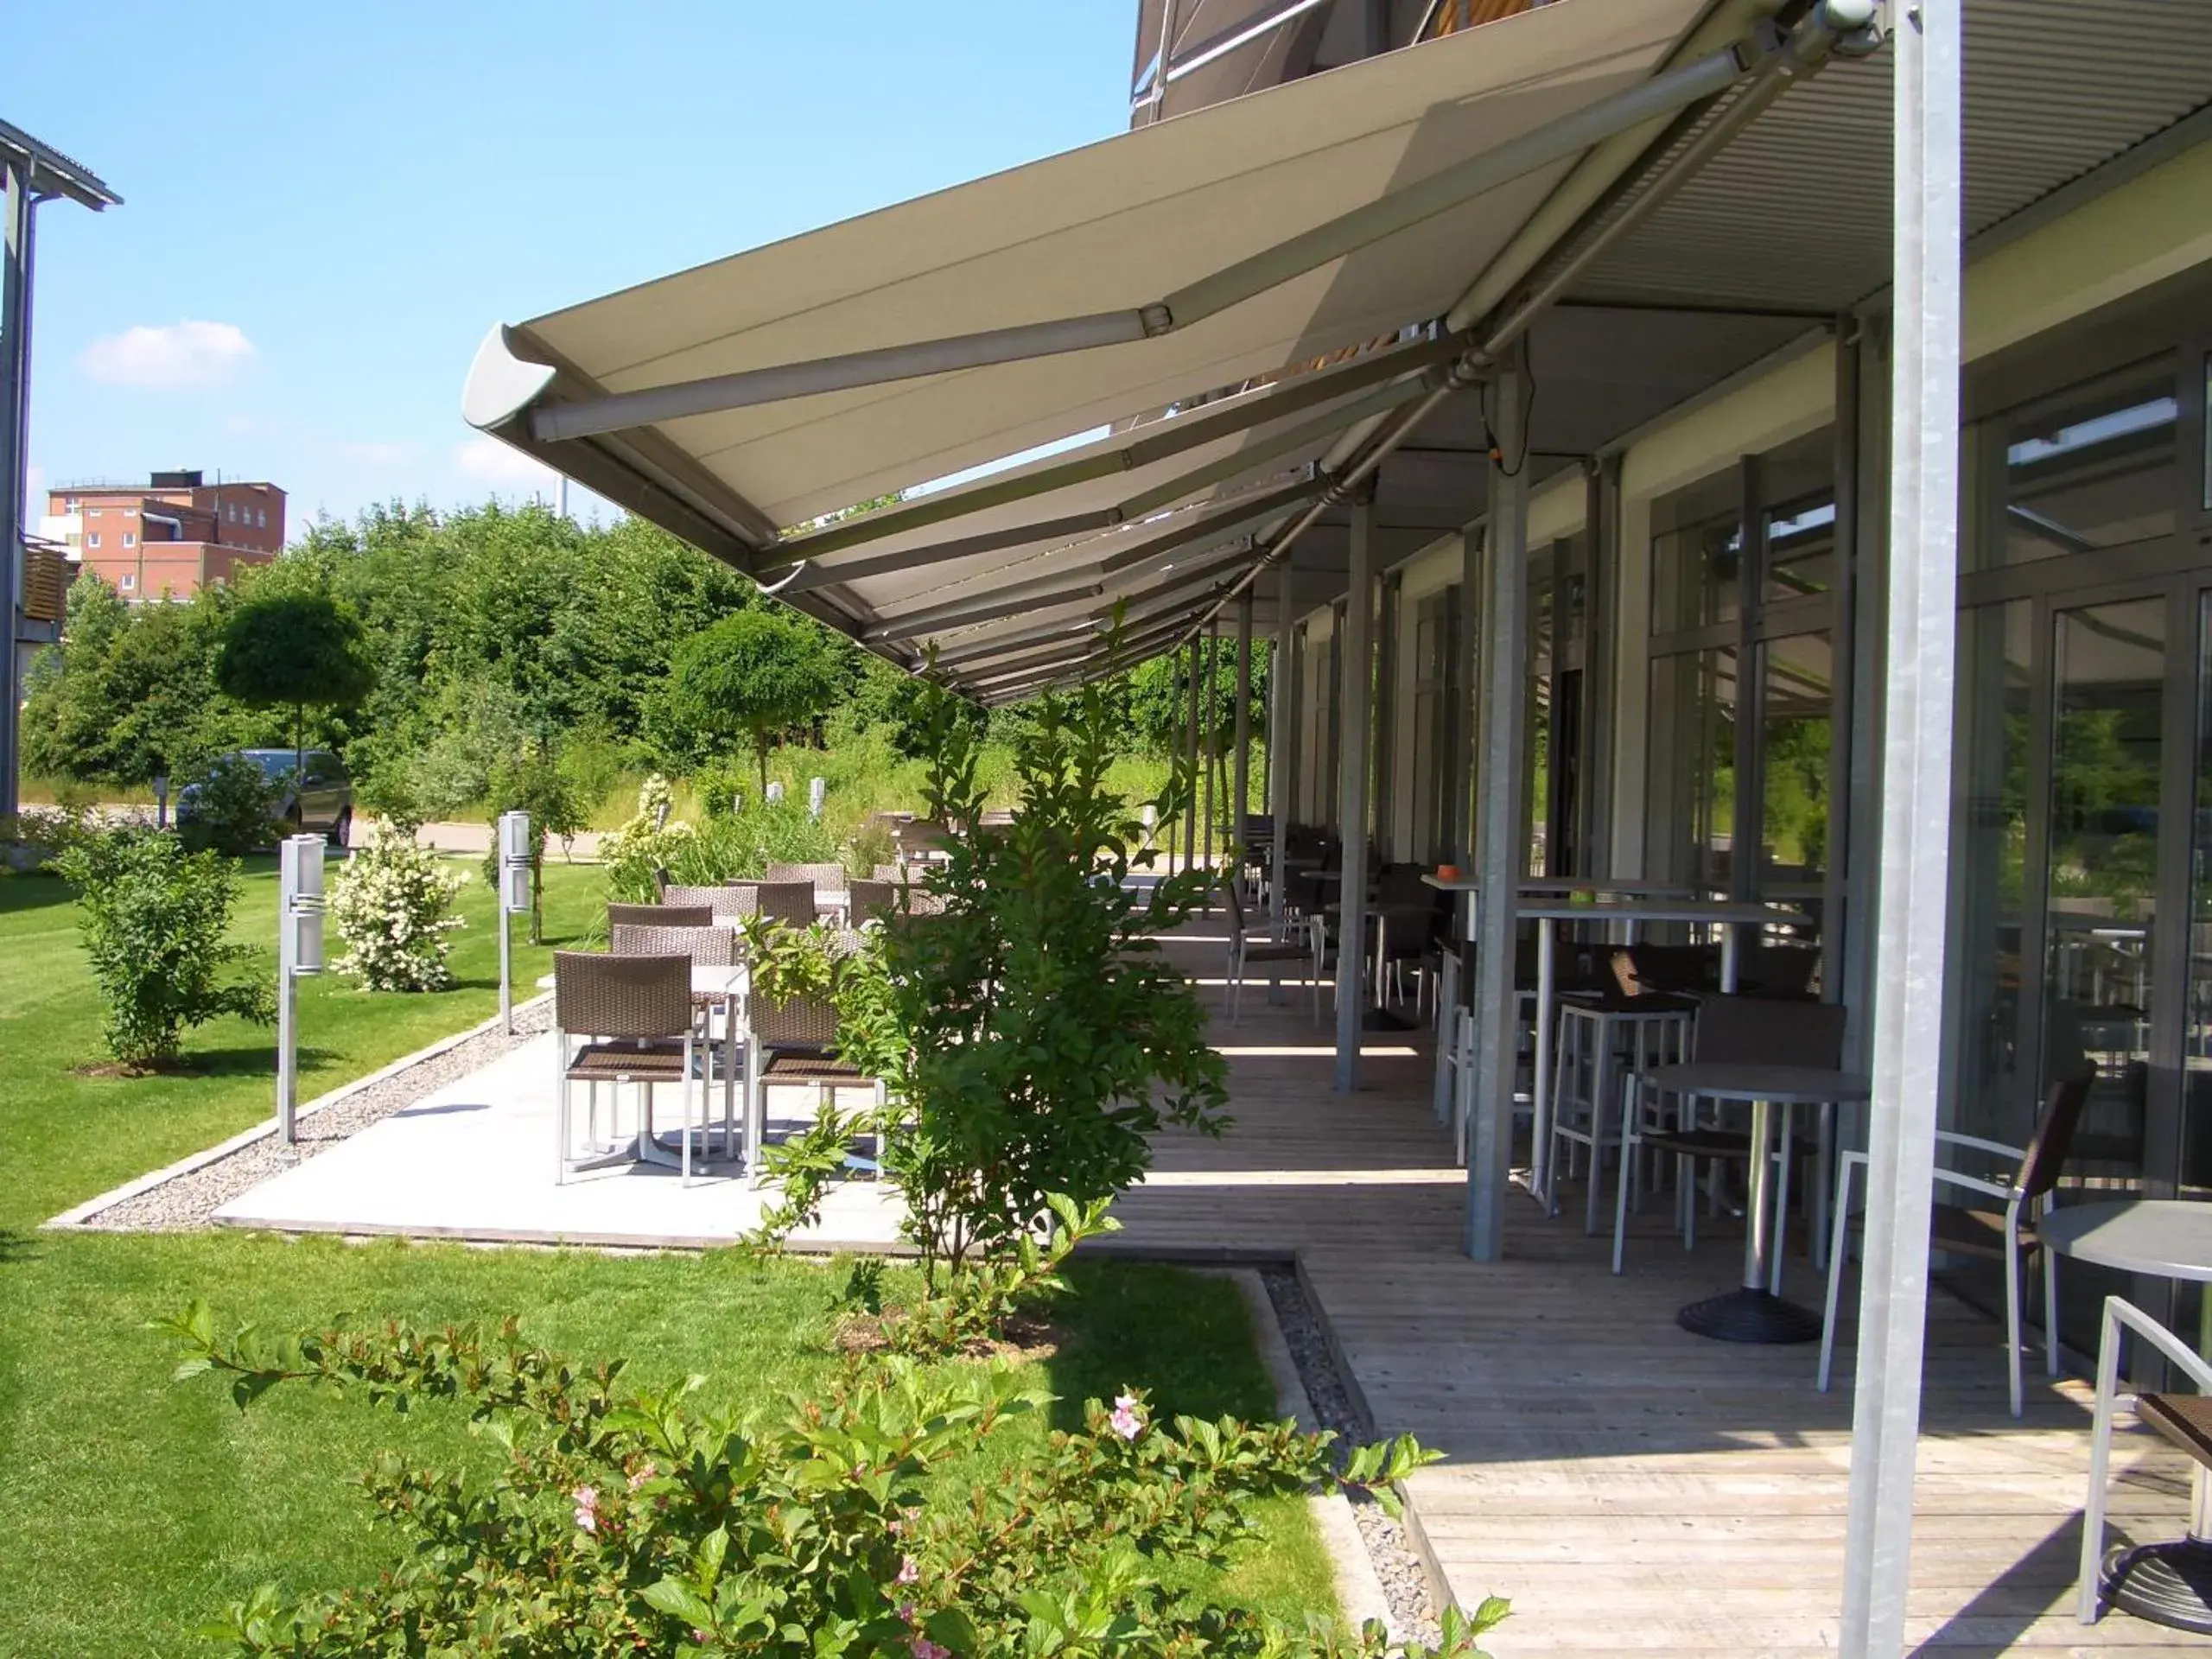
(234, 806)
(155, 920)
(390, 902)
(31, 839)
(630, 1523)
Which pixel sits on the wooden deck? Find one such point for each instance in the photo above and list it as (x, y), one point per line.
(1630, 1487)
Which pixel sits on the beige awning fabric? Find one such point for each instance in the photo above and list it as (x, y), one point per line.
(1109, 229)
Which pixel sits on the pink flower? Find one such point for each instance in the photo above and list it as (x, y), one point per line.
(922, 1647)
(1123, 1419)
(644, 1473)
(905, 1612)
(910, 1571)
(586, 1507)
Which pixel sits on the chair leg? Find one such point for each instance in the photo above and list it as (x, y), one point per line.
(560, 1108)
(2050, 1311)
(1781, 1205)
(1628, 1146)
(2012, 1324)
(1600, 1080)
(1836, 1253)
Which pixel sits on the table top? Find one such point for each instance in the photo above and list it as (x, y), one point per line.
(1565, 884)
(2171, 1237)
(1781, 1085)
(717, 980)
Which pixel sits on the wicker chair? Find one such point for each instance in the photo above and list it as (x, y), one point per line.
(828, 876)
(659, 915)
(1245, 951)
(920, 839)
(790, 902)
(634, 1013)
(888, 873)
(735, 898)
(866, 900)
(793, 1041)
(706, 946)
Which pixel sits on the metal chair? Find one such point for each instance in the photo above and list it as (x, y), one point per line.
(2183, 1419)
(1732, 1030)
(2005, 1236)
(635, 1015)
(1604, 1045)
(659, 916)
(1245, 950)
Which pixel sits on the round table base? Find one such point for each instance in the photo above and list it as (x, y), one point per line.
(2169, 1584)
(1749, 1315)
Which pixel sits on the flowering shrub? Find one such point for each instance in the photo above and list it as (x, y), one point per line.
(649, 841)
(156, 921)
(390, 904)
(636, 1524)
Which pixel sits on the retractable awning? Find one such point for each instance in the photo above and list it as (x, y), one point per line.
(1273, 272)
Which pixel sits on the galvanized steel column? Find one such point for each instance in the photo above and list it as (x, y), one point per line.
(1910, 914)
(1241, 784)
(1191, 756)
(16, 228)
(1282, 739)
(1210, 736)
(1355, 696)
(1501, 853)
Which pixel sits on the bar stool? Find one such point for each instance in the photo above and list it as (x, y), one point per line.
(1606, 1042)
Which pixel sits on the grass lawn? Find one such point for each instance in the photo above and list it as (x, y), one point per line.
(135, 1508)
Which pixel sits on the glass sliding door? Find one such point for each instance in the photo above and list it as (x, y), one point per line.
(1797, 725)
(1692, 789)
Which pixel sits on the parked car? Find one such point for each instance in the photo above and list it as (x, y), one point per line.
(315, 796)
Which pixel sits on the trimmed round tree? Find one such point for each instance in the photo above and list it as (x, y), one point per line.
(749, 678)
(296, 652)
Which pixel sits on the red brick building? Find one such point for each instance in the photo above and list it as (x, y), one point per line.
(167, 539)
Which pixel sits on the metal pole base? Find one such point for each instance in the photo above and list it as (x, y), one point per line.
(1748, 1315)
(2169, 1584)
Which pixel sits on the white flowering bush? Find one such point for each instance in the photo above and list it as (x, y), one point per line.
(651, 841)
(390, 904)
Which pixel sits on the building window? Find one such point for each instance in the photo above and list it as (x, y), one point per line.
(129, 539)
(131, 512)
(69, 504)
(230, 513)
(261, 517)
(2093, 467)
(127, 581)
(93, 540)
(92, 512)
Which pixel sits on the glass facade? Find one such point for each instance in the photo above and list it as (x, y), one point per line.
(2096, 468)
(1692, 782)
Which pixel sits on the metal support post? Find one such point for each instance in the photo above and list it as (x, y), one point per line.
(1355, 696)
(1210, 736)
(1916, 799)
(1468, 715)
(1282, 741)
(1191, 755)
(1240, 783)
(299, 951)
(17, 228)
(1501, 854)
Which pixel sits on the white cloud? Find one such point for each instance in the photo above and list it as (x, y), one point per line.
(489, 461)
(169, 356)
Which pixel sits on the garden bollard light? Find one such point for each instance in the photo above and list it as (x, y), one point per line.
(818, 791)
(514, 895)
(299, 951)
(775, 793)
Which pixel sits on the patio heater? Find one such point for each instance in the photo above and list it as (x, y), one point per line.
(515, 860)
(299, 951)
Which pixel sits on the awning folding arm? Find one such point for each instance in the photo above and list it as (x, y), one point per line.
(1347, 234)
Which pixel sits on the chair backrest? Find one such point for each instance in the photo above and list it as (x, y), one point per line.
(2045, 1158)
(892, 872)
(1758, 1031)
(831, 876)
(706, 946)
(792, 1023)
(660, 916)
(866, 899)
(596, 995)
(919, 835)
(1235, 900)
(734, 900)
(790, 902)
(1681, 968)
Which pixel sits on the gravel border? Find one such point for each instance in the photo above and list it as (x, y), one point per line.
(1406, 1583)
(185, 1196)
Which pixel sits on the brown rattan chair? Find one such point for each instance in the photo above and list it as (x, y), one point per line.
(830, 877)
(734, 899)
(789, 902)
(920, 839)
(634, 1013)
(894, 873)
(793, 1041)
(866, 900)
(659, 916)
(706, 946)
(1245, 951)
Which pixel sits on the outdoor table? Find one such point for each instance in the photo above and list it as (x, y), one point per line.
(1631, 910)
(1380, 1018)
(2171, 1238)
(1752, 1312)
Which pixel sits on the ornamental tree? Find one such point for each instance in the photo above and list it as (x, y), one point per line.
(749, 678)
(294, 651)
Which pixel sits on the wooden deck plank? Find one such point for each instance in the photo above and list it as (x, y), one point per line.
(1633, 1489)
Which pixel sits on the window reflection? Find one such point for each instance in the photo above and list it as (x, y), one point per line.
(1796, 726)
(2096, 470)
(1695, 572)
(1692, 781)
(1801, 548)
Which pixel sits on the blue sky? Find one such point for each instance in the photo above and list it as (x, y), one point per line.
(326, 206)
